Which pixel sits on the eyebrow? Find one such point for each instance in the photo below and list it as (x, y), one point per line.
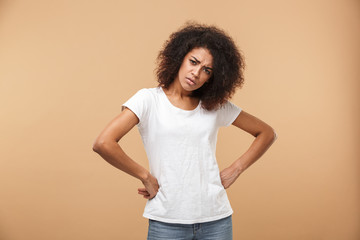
(200, 62)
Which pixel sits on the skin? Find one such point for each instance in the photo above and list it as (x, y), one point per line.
(194, 72)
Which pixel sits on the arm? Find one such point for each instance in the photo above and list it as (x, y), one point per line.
(264, 138)
(106, 145)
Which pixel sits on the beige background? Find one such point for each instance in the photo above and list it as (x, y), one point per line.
(67, 66)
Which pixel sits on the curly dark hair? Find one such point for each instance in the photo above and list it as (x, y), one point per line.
(228, 62)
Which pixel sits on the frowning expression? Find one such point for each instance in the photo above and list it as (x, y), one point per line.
(196, 69)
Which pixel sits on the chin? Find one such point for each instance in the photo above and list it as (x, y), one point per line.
(188, 88)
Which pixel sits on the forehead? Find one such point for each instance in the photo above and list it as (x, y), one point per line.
(202, 54)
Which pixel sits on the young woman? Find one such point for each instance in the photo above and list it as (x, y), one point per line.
(198, 70)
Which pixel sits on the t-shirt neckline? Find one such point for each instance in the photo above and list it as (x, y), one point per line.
(173, 106)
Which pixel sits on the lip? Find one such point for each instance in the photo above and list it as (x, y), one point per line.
(192, 82)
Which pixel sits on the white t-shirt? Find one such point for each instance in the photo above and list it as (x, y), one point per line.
(180, 146)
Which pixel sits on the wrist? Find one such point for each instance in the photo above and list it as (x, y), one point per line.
(237, 166)
(145, 176)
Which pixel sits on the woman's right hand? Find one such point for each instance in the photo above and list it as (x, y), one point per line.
(151, 187)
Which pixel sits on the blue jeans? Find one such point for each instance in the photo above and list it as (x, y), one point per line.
(215, 230)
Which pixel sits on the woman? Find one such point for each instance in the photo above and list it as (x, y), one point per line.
(198, 70)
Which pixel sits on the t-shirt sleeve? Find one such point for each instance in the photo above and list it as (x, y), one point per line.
(227, 114)
(139, 104)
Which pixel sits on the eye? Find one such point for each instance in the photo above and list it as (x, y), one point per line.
(207, 71)
(192, 62)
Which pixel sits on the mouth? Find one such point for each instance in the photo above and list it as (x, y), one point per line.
(190, 81)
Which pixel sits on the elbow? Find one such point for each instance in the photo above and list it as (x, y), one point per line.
(270, 134)
(103, 145)
(273, 135)
(98, 145)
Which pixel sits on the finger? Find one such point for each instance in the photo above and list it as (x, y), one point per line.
(144, 193)
(141, 189)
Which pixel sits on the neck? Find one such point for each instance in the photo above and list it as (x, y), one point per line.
(176, 89)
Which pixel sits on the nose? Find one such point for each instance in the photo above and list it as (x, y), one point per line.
(196, 71)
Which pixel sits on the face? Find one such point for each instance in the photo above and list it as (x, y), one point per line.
(196, 69)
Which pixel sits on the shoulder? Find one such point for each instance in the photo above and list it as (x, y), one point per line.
(227, 106)
(147, 97)
(231, 104)
(142, 102)
(149, 91)
(227, 113)
(146, 93)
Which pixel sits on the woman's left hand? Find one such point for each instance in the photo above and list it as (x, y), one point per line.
(228, 176)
